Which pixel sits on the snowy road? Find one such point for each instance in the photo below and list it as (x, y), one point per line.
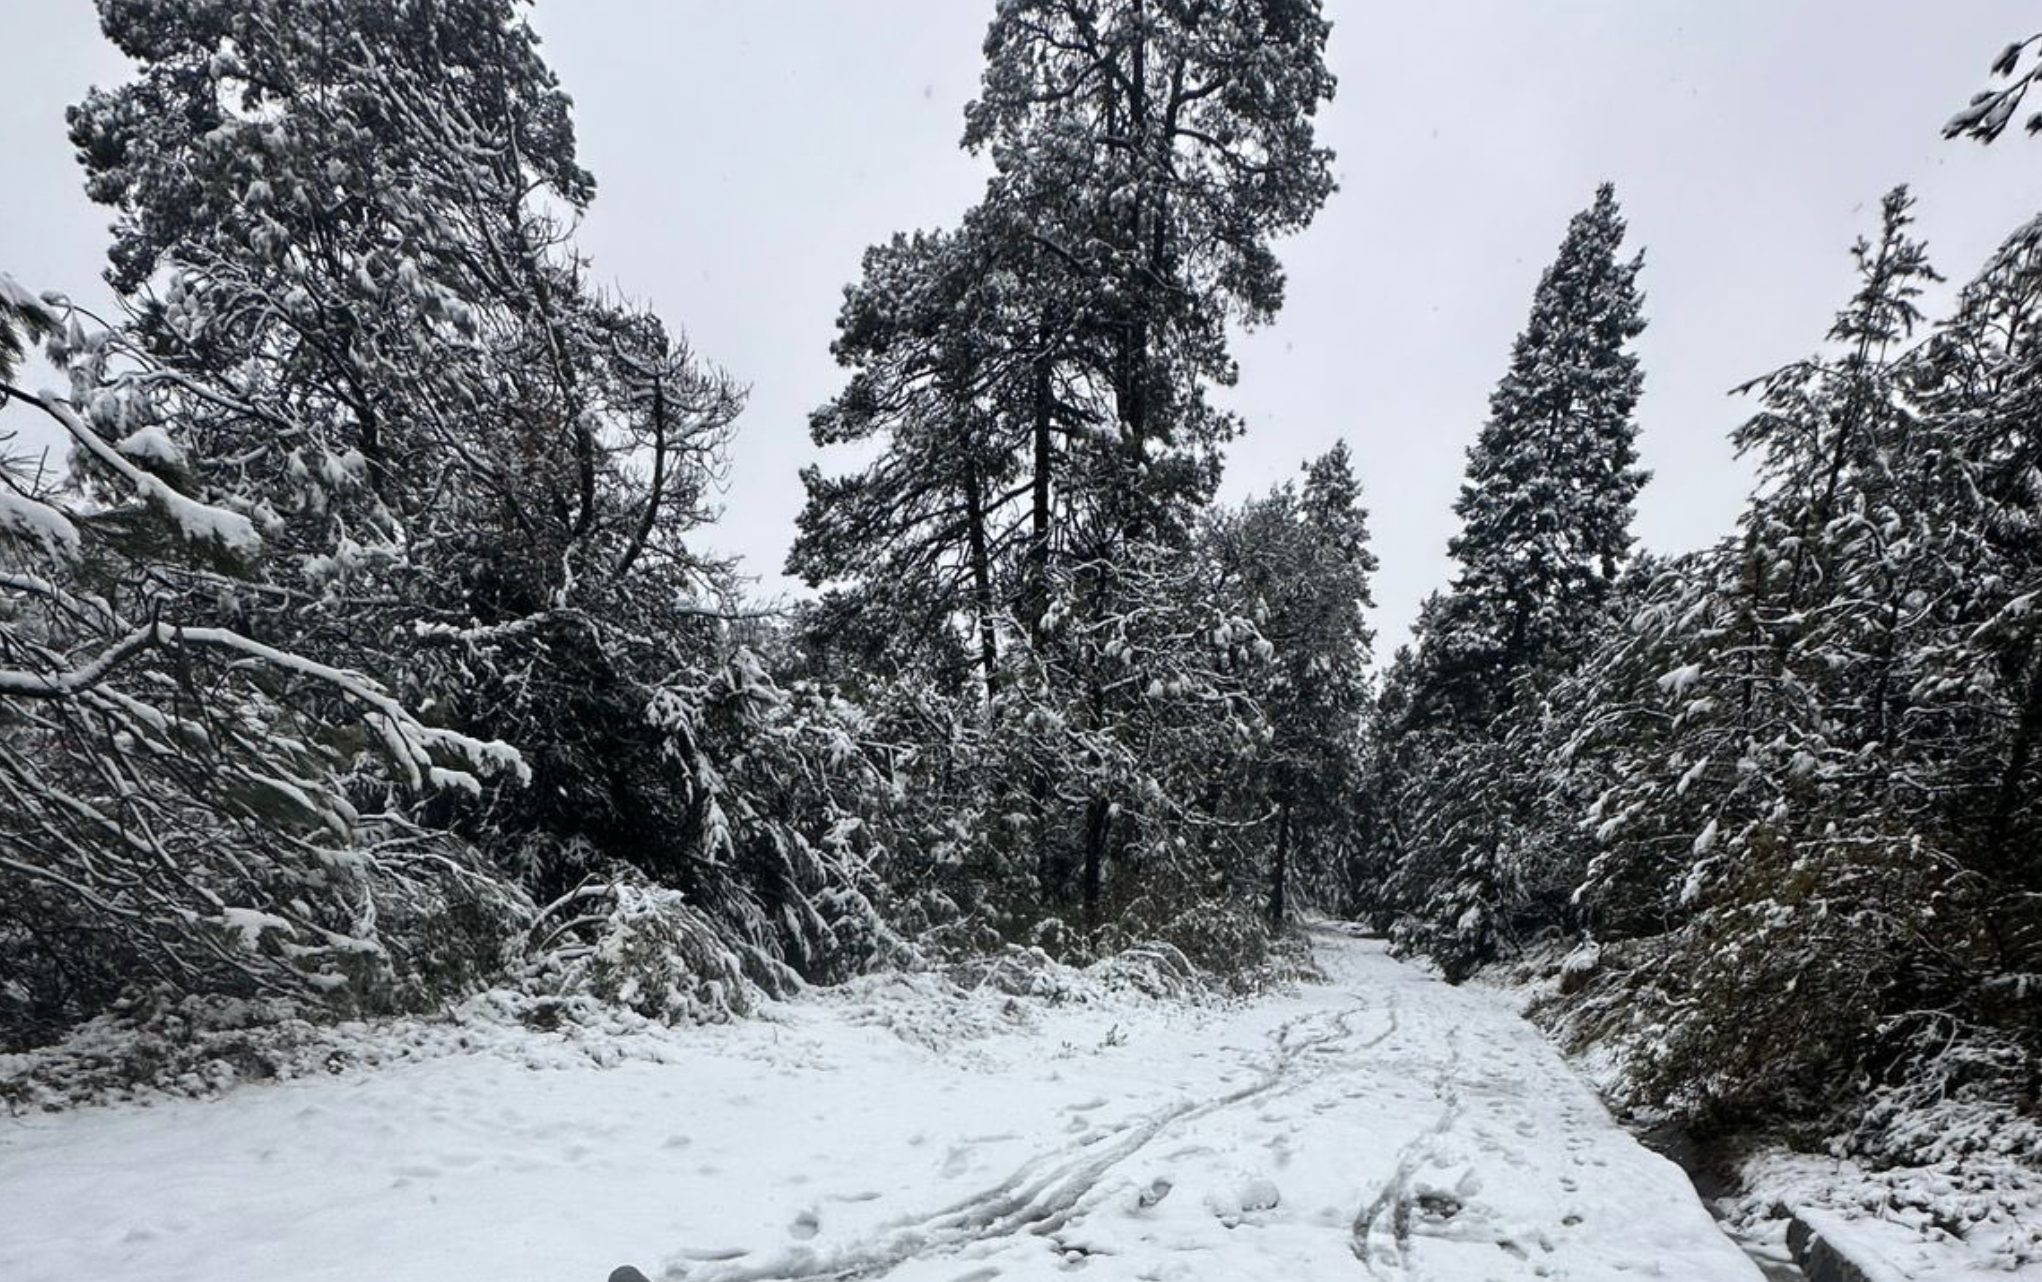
(1381, 1125)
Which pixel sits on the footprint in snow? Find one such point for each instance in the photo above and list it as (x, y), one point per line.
(957, 1160)
(1231, 1206)
(710, 1254)
(1151, 1193)
(806, 1225)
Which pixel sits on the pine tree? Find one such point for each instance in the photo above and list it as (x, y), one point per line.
(1546, 513)
(1151, 149)
(940, 525)
(345, 227)
(1546, 507)
(1990, 111)
(1299, 559)
(1799, 749)
(1038, 384)
(187, 805)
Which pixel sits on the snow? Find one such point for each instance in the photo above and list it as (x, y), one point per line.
(201, 522)
(14, 295)
(1678, 681)
(1379, 1124)
(197, 522)
(1895, 1224)
(1583, 960)
(31, 521)
(249, 923)
(1705, 841)
(152, 445)
(1847, 1237)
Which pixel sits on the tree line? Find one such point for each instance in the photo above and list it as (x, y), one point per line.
(1773, 799)
(364, 656)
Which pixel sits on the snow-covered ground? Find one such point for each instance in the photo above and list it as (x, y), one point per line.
(1380, 1124)
(1930, 1224)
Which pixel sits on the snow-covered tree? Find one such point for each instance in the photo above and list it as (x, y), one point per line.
(345, 230)
(1036, 384)
(1806, 751)
(941, 526)
(1546, 511)
(1991, 110)
(1546, 507)
(187, 807)
(1150, 150)
(1300, 561)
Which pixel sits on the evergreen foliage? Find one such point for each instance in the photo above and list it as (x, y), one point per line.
(1791, 781)
(1032, 530)
(1545, 534)
(187, 806)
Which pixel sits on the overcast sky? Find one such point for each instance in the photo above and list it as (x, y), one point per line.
(746, 153)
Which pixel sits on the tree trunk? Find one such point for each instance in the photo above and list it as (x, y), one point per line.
(1049, 873)
(2007, 800)
(1038, 519)
(1098, 827)
(1279, 871)
(981, 575)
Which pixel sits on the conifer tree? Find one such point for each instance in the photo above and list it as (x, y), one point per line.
(1151, 149)
(1037, 382)
(345, 228)
(1546, 507)
(185, 805)
(1546, 511)
(1299, 557)
(940, 525)
(1798, 750)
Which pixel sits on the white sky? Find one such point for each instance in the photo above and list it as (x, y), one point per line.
(746, 153)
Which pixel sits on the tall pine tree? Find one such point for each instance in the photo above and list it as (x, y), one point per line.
(1546, 507)
(1038, 387)
(1546, 513)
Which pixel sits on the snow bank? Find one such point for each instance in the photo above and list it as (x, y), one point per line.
(1950, 1223)
(1974, 1211)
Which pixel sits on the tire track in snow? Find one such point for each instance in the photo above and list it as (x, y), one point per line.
(1393, 1200)
(1387, 1229)
(1044, 1193)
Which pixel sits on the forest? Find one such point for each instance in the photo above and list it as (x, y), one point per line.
(363, 655)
